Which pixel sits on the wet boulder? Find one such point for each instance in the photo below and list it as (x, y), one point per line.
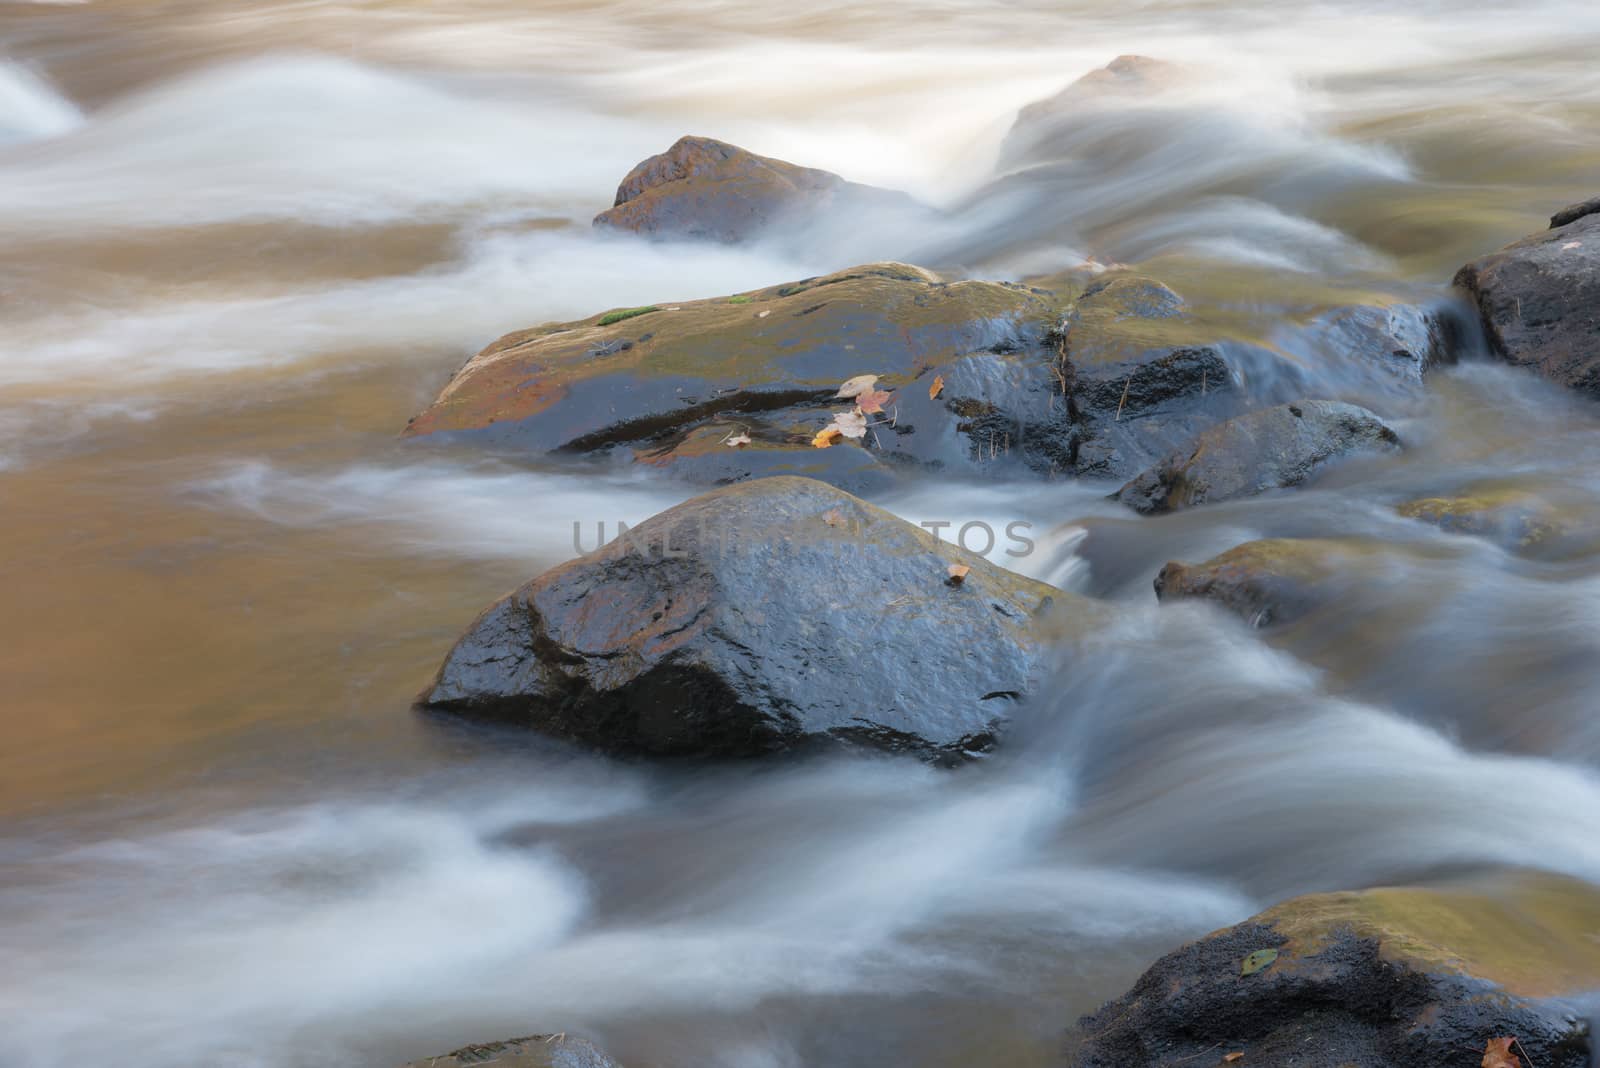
(1405, 977)
(1273, 580)
(1273, 448)
(770, 615)
(673, 385)
(1539, 300)
(705, 189)
(533, 1051)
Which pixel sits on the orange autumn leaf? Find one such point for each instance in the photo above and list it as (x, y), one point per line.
(826, 436)
(872, 401)
(937, 387)
(1497, 1054)
(957, 573)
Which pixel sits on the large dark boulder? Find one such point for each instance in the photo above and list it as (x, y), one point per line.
(1539, 300)
(533, 1051)
(765, 616)
(1273, 448)
(1387, 978)
(709, 190)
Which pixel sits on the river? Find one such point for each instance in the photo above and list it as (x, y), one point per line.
(245, 240)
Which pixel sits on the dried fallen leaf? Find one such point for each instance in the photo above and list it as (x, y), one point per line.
(1571, 245)
(851, 424)
(825, 437)
(763, 314)
(1257, 960)
(856, 386)
(1233, 1058)
(833, 517)
(937, 387)
(1497, 1054)
(873, 400)
(737, 440)
(957, 573)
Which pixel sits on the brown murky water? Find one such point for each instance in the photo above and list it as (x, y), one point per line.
(245, 241)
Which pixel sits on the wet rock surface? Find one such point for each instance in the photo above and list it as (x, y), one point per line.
(1273, 580)
(1539, 300)
(1273, 448)
(1096, 378)
(707, 189)
(665, 385)
(765, 616)
(532, 1051)
(1386, 978)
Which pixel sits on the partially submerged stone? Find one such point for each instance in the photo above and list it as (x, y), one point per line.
(706, 189)
(1273, 580)
(766, 363)
(1125, 78)
(1273, 448)
(533, 1051)
(766, 616)
(1573, 212)
(1539, 300)
(1389, 978)
(1098, 384)
(1510, 516)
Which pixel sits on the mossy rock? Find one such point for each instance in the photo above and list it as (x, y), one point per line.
(1409, 977)
(1272, 580)
(769, 360)
(1511, 516)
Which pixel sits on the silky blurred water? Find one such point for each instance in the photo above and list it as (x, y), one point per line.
(245, 241)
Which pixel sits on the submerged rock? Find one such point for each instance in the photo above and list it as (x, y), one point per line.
(1387, 978)
(1273, 448)
(761, 617)
(1128, 77)
(533, 1051)
(710, 190)
(1512, 517)
(1273, 580)
(1539, 300)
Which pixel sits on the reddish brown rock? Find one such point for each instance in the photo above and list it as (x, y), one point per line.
(710, 190)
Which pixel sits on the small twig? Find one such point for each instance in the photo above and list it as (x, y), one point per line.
(1124, 399)
(1202, 1053)
(1203, 381)
(1528, 1056)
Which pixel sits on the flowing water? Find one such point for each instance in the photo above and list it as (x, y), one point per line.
(244, 240)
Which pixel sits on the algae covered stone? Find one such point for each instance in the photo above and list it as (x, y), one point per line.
(1407, 977)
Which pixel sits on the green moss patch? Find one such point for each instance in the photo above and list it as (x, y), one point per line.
(625, 313)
